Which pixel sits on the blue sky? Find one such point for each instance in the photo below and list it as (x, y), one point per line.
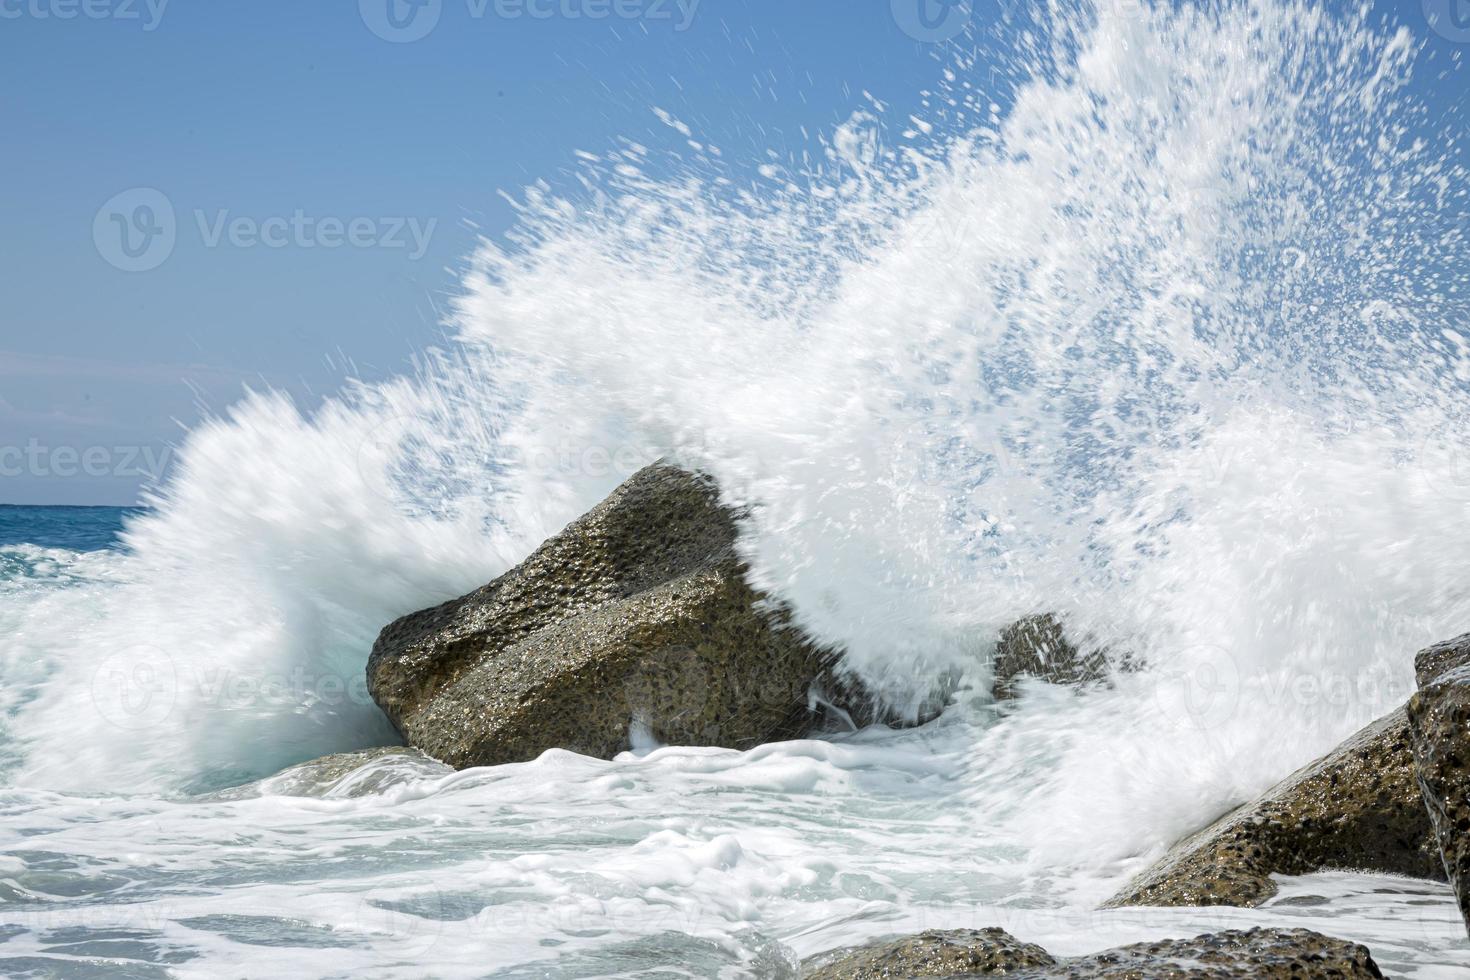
(368, 140)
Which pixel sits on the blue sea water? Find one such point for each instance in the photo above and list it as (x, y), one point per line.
(72, 528)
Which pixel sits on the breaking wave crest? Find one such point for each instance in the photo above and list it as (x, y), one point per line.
(1167, 335)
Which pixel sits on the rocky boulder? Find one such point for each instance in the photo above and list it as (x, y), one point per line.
(1357, 808)
(1431, 662)
(934, 953)
(636, 615)
(1439, 730)
(1254, 954)
(1037, 646)
(1250, 954)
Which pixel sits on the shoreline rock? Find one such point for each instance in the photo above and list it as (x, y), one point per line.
(1393, 798)
(1356, 809)
(637, 613)
(935, 953)
(1253, 954)
(1433, 662)
(1439, 727)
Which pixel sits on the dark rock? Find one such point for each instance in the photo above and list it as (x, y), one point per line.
(1254, 954)
(637, 610)
(1439, 727)
(1037, 646)
(1357, 808)
(931, 954)
(842, 702)
(1429, 663)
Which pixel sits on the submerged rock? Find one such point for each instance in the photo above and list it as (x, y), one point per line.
(638, 613)
(1254, 954)
(1357, 808)
(345, 775)
(935, 953)
(1038, 647)
(1439, 727)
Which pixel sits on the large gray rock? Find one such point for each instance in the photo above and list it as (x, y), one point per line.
(1439, 728)
(931, 954)
(1255, 954)
(1358, 809)
(637, 612)
(1251, 954)
(1037, 647)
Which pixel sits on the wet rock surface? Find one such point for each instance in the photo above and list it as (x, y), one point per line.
(956, 952)
(1439, 727)
(345, 775)
(1254, 954)
(1037, 647)
(638, 613)
(1441, 658)
(1358, 809)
